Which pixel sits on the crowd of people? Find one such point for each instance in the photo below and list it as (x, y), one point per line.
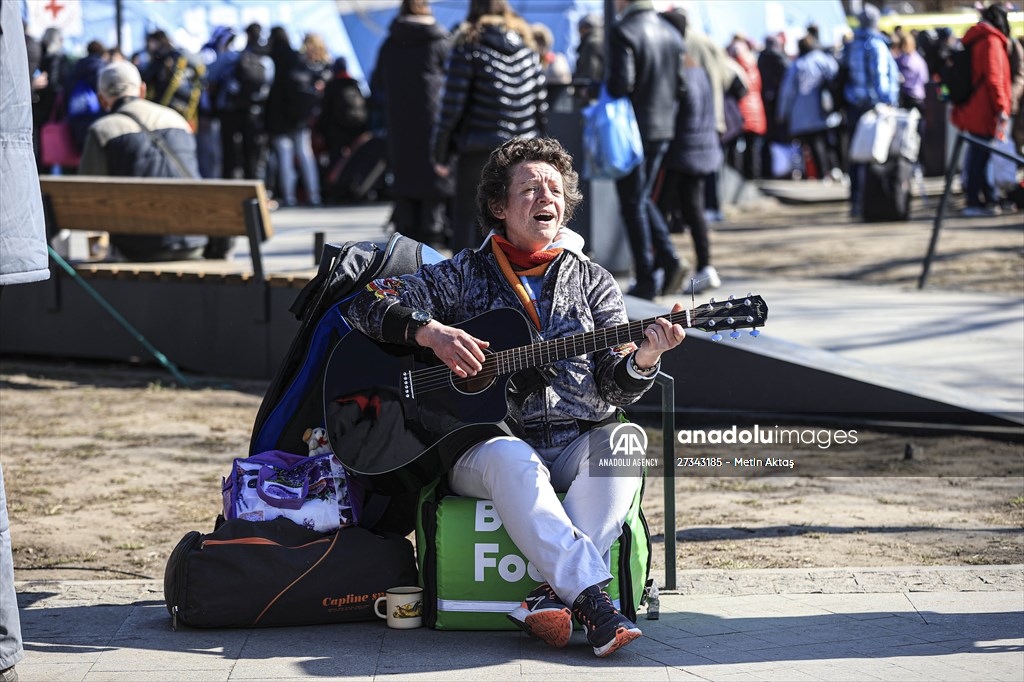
(442, 98)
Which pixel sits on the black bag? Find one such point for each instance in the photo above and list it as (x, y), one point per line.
(956, 76)
(248, 84)
(888, 187)
(268, 573)
(294, 400)
(360, 174)
(175, 80)
(303, 98)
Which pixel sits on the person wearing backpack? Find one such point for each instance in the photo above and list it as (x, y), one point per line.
(173, 77)
(799, 102)
(986, 112)
(208, 127)
(242, 83)
(82, 101)
(141, 139)
(293, 100)
(871, 77)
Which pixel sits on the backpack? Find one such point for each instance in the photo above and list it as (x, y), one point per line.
(293, 402)
(83, 102)
(349, 105)
(83, 110)
(176, 81)
(249, 83)
(956, 76)
(303, 97)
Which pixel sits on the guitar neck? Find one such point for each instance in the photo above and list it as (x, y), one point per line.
(546, 352)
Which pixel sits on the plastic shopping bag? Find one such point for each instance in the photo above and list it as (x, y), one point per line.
(874, 135)
(612, 146)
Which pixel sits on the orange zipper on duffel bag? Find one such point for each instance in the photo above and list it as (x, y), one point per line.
(332, 540)
(259, 541)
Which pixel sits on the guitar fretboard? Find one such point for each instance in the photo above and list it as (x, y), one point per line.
(546, 352)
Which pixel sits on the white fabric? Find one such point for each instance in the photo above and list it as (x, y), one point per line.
(568, 542)
(23, 255)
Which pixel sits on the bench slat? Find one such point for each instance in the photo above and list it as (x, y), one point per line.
(147, 206)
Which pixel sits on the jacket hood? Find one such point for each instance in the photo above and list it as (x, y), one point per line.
(416, 31)
(505, 34)
(981, 31)
(565, 239)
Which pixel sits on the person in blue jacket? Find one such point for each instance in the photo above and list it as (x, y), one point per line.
(873, 78)
(799, 102)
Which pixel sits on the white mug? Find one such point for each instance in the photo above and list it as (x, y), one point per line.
(404, 607)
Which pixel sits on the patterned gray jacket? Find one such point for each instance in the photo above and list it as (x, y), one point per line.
(577, 295)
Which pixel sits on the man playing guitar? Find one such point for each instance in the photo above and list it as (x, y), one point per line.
(562, 416)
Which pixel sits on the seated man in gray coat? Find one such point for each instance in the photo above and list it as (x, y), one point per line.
(124, 142)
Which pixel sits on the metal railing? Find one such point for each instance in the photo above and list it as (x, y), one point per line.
(954, 162)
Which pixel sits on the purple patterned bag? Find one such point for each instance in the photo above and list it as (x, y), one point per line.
(309, 490)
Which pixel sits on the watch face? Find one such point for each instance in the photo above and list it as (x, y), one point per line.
(421, 316)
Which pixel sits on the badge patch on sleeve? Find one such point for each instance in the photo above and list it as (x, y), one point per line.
(389, 286)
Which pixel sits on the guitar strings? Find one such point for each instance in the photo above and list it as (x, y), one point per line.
(433, 378)
(510, 355)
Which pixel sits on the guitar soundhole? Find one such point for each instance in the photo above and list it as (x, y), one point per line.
(483, 380)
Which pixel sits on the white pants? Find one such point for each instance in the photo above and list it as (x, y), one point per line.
(568, 542)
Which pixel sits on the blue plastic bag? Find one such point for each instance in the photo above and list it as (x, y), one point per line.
(612, 146)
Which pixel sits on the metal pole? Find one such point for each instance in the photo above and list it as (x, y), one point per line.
(609, 19)
(943, 200)
(118, 16)
(668, 431)
(120, 319)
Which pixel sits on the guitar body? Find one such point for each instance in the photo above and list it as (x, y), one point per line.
(397, 418)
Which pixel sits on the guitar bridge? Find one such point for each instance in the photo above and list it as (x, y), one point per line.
(409, 395)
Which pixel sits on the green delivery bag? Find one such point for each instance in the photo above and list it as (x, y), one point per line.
(473, 574)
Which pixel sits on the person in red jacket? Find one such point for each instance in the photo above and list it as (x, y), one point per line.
(987, 111)
(751, 106)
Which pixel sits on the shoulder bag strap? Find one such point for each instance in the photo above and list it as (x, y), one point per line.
(162, 145)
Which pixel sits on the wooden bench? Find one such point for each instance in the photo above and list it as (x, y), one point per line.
(161, 206)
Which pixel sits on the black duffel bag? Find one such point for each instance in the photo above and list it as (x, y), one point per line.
(268, 573)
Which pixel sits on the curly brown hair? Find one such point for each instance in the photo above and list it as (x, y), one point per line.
(497, 175)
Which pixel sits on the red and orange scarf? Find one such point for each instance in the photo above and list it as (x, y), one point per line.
(515, 263)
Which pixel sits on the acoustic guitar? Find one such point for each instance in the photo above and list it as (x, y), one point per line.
(398, 418)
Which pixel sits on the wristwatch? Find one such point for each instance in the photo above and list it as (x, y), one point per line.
(418, 319)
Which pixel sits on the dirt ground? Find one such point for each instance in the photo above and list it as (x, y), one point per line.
(107, 466)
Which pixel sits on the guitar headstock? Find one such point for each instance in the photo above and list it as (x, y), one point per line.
(748, 312)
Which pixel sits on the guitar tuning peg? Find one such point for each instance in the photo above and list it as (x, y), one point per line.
(731, 297)
(716, 337)
(712, 301)
(749, 294)
(755, 332)
(734, 335)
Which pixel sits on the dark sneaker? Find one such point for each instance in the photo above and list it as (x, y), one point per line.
(674, 271)
(606, 628)
(544, 616)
